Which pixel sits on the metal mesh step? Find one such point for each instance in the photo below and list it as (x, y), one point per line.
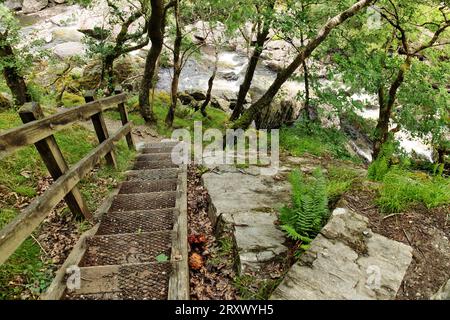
(134, 282)
(126, 248)
(154, 157)
(159, 164)
(143, 201)
(136, 221)
(148, 186)
(154, 174)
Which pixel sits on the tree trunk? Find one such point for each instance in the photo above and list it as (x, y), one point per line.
(210, 85)
(310, 110)
(109, 72)
(156, 35)
(264, 102)
(386, 107)
(14, 80)
(245, 86)
(176, 66)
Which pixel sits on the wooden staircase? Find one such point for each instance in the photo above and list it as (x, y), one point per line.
(139, 249)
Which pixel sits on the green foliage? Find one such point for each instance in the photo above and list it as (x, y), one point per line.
(340, 180)
(10, 36)
(70, 100)
(309, 209)
(24, 270)
(380, 167)
(314, 139)
(184, 117)
(402, 189)
(162, 258)
(252, 288)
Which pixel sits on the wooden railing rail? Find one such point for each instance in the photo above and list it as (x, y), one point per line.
(39, 131)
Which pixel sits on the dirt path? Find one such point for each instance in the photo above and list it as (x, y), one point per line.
(427, 231)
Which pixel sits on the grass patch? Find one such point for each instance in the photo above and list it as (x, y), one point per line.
(26, 274)
(340, 180)
(312, 138)
(251, 288)
(184, 117)
(401, 189)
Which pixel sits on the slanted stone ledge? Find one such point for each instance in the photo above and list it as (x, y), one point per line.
(246, 203)
(347, 261)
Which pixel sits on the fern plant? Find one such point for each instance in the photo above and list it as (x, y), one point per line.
(309, 209)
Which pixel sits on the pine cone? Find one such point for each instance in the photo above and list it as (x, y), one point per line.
(195, 261)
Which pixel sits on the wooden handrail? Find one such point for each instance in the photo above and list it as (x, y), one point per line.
(29, 219)
(39, 131)
(35, 131)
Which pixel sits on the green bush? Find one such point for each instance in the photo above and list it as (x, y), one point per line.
(380, 167)
(309, 209)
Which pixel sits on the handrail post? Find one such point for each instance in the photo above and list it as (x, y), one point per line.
(101, 130)
(124, 117)
(54, 160)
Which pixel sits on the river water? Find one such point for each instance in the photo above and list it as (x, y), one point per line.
(231, 71)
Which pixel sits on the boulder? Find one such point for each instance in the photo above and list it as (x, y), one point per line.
(221, 104)
(347, 261)
(69, 49)
(70, 100)
(59, 1)
(91, 75)
(443, 293)
(5, 102)
(197, 95)
(14, 5)
(31, 6)
(67, 35)
(281, 111)
(124, 68)
(185, 98)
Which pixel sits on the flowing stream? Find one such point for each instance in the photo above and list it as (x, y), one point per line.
(198, 69)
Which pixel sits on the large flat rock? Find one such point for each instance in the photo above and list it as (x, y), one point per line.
(248, 203)
(347, 261)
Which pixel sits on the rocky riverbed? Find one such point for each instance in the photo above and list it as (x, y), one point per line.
(62, 28)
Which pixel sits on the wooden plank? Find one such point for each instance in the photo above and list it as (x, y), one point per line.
(54, 160)
(179, 279)
(124, 117)
(101, 130)
(29, 219)
(32, 132)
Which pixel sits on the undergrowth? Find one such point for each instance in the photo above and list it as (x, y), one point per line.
(312, 138)
(308, 212)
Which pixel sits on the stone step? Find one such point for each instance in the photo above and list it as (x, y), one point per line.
(153, 174)
(158, 164)
(128, 187)
(143, 281)
(136, 221)
(156, 149)
(154, 157)
(160, 144)
(126, 248)
(143, 201)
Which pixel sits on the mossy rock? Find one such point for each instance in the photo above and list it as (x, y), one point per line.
(5, 103)
(70, 100)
